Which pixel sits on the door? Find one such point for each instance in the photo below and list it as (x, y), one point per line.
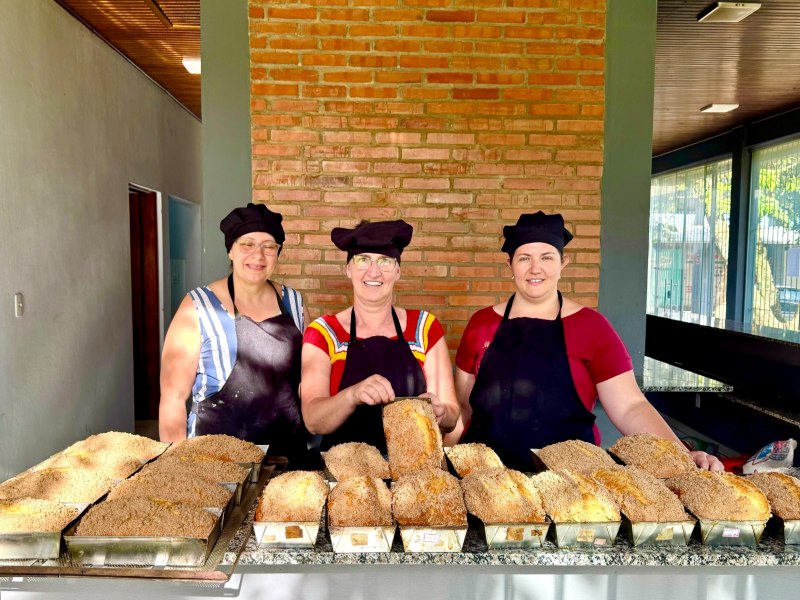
(145, 303)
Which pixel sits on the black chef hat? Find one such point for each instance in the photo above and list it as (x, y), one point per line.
(536, 227)
(382, 237)
(249, 219)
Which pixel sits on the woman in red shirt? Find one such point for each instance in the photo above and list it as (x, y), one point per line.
(529, 370)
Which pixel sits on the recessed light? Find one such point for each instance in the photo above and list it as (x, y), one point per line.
(192, 65)
(727, 12)
(719, 108)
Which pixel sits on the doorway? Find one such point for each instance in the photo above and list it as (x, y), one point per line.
(145, 300)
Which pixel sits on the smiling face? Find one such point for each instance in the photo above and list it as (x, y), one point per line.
(253, 263)
(372, 283)
(537, 268)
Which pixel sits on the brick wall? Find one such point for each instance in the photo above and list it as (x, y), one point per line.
(455, 116)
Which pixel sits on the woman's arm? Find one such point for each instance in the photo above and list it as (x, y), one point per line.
(323, 413)
(179, 363)
(439, 376)
(630, 412)
(464, 383)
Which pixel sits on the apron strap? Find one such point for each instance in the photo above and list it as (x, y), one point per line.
(281, 305)
(395, 319)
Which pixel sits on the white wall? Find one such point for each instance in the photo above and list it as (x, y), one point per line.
(78, 123)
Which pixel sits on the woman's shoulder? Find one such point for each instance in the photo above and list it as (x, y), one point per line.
(585, 319)
(489, 315)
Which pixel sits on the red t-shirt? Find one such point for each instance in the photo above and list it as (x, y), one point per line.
(594, 350)
(422, 332)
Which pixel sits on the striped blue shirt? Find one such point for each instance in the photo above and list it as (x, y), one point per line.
(218, 342)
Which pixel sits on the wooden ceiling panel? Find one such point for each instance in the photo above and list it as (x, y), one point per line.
(754, 63)
(156, 43)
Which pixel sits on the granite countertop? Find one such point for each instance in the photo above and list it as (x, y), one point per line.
(659, 376)
(770, 552)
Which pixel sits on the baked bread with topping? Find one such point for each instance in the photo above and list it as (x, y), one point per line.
(129, 444)
(471, 458)
(219, 446)
(782, 492)
(57, 484)
(212, 469)
(656, 455)
(360, 502)
(31, 515)
(575, 456)
(296, 496)
(413, 439)
(640, 496)
(499, 496)
(174, 486)
(575, 498)
(111, 463)
(429, 498)
(720, 496)
(134, 517)
(355, 459)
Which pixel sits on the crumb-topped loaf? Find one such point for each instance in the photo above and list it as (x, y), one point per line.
(360, 502)
(720, 496)
(296, 496)
(659, 457)
(413, 439)
(782, 492)
(575, 456)
(355, 459)
(574, 498)
(471, 458)
(429, 498)
(640, 496)
(499, 496)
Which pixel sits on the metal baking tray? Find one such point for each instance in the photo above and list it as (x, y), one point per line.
(362, 539)
(294, 534)
(515, 535)
(585, 535)
(433, 539)
(731, 533)
(39, 545)
(255, 467)
(142, 551)
(647, 533)
(789, 530)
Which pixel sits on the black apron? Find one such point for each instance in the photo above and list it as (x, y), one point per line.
(376, 355)
(259, 401)
(524, 396)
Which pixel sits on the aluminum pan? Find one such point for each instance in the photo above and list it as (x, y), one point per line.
(255, 467)
(433, 539)
(294, 534)
(37, 545)
(362, 539)
(515, 535)
(731, 533)
(585, 535)
(646, 533)
(142, 551)
(791, 531)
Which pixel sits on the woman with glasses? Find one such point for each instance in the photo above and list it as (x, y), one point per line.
(235, 345)
(368, 354)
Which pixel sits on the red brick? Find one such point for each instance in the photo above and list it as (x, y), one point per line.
(485, 16)
(373, 30)
(397, 46)
(288, 135)
(345, 45)
(347, 77)
(501, 78)
(269, 89)
(318, 91)
(584, 126)
(426, 154)
(340, 14)
(292, 13)
(430, 31)
(373, 61)
(449, 47)
(541, 33)
(277, 58)
(476, 94)
(451, 16)
(293, 75)
(324, 60)
(397, 15)
(326, 29)
(398, 77)
(373, 92)
(423, 62)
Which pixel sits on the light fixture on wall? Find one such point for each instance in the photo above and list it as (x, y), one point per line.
(719, 108)
(192, 65)
(727, 12)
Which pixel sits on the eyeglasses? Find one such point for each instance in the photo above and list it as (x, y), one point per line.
(268, 248)
(363, 262)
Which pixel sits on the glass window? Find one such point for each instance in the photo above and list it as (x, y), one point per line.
(773, 267)
(689, 223)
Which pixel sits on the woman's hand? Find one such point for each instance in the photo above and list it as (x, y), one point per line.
(374, 390)
(439, 409)
(709, 462)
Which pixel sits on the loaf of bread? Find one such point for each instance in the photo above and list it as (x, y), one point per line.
(219, 446)
(135, 446)
(640, 496)
(173, 486)
(782, 492)
(30, 515)
(57, 484)
(472, 458)
(212, 469)
(413, 439)
(500, 496)
(360, 502)
(574, 498)
(576, 456)
(355, 459)
(720, 496)
(656, 455)
(429, 498)
(296, 496)
(111, 463)
(134, 517)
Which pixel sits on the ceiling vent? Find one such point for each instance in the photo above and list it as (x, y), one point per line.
(727, 12)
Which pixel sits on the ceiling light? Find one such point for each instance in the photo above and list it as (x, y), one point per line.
(727, 12)
(192, 65)
(719, 108)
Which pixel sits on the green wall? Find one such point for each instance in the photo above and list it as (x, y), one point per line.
(625, 207)
(227, 179)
